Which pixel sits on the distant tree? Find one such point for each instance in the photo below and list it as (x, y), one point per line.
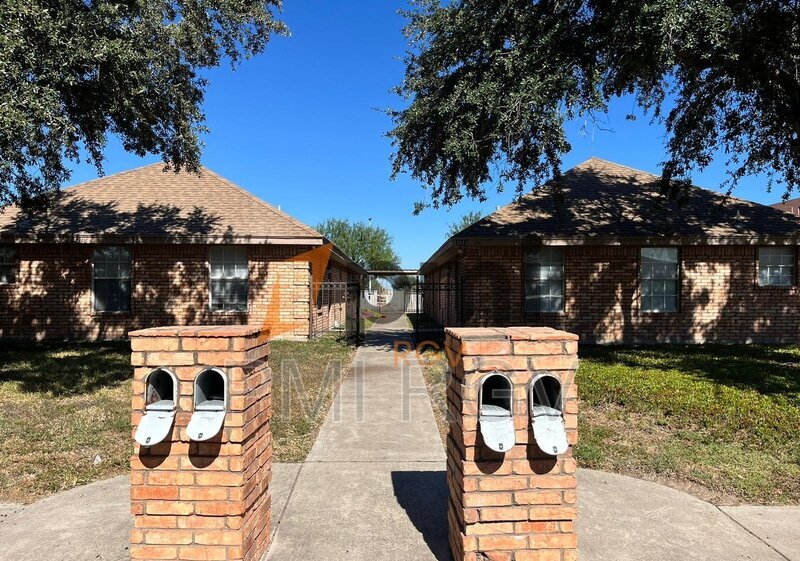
(404, 282)
(369, 246)
(491, 83)
(465, 221)
(73, 72)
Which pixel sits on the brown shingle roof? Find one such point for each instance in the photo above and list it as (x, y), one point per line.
(791, 206)
(602, 202)
(148, 203)
(602, 199)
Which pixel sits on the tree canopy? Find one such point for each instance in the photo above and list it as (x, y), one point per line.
(465, 221)
(73, 72)
(369, 246)
(490, 84)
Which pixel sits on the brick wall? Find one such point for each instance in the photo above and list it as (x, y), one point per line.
(720, 299)
(518, 505)
(204, 500)
(52, 297)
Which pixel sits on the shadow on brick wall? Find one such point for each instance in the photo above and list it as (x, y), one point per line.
(52, 297)
(720, 297)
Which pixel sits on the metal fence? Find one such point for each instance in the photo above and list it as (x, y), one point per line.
(436, 305)
(336, 309)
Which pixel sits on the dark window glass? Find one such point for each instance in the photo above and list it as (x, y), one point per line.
(544, 280)
(776, 266)
(8, 265)
(112, 279)
(659, 275)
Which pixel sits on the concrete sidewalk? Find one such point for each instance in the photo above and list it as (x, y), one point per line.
(373, 486)
(619, 519)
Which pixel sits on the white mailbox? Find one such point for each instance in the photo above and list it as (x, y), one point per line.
(547, 414)
(496, 412)
(210, 404)
(160, 405)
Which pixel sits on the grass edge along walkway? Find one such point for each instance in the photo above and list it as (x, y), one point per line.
(65, 409)
(719, 421)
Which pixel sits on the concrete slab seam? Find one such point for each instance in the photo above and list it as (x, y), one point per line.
(285, 506)
(749, 531)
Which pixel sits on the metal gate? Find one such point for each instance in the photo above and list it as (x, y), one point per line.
(429, 306)
(336, 309)
(437, 305)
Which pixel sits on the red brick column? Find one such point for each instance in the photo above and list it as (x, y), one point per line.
(519, 505)
(204, 500)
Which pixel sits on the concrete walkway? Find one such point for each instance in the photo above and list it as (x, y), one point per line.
(625, 519)
(619, 519)
(374, 488)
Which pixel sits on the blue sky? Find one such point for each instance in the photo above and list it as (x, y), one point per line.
(299, 127)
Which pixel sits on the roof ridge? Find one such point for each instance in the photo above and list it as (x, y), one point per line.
(261, 202)
(691, 184)
(616, 164)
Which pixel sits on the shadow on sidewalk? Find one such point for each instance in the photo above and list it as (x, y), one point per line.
(423, 495)
(383, 334)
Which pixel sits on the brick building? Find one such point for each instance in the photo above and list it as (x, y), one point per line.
(147, 247)
(604, 253)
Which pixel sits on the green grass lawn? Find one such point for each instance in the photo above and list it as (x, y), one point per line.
(65, 416)
(722, 422)
(306, 376)
(65, 410)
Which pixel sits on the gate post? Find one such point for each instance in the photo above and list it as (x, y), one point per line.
(509, 499)
(204, 499)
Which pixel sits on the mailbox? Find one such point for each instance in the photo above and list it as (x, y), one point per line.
(160, 404)
(210, 404)
(496, 412)
(547, 414)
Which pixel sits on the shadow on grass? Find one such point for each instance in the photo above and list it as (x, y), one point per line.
(426, 329)
(769, 370)
(64, 369)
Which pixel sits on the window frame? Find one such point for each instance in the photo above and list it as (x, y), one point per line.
(528, 250)
(129, 278)
(13, 263)
(211, 278)
(792, 282)
(678, 280)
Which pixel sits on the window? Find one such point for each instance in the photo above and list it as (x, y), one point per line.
(229, 278)
(8, 265)
(776, 266)
(660, 278)
(112, 279)
(544, 280)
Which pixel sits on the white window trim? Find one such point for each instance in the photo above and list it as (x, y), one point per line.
(129, 278)
(678, 281)
(211, 282)
(792, 281)
(525, 264)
